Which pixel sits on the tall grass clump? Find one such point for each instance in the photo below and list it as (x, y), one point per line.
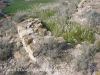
(75, 33)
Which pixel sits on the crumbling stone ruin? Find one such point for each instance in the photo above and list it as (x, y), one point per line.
(32, 34)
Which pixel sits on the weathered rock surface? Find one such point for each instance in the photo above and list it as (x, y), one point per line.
(88, 12)
(17, 55)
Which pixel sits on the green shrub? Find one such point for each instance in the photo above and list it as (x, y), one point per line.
(72, 32)
(19, 73)
(6, 51)
(1, 16)
(26, 59)
(4, 55)
(43, 73)
(85, 62)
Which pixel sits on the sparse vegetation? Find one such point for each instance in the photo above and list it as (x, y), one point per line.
(60, 25)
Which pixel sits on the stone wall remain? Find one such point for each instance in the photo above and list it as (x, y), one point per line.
(32, 34)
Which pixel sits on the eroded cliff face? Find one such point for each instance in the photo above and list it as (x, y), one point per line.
(88, 12)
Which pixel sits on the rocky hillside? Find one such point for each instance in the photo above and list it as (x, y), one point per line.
(50, 52)
(60, 38)
(88, 12)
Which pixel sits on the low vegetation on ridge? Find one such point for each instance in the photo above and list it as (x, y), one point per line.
(57, 19)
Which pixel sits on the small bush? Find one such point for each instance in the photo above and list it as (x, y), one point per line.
(26, 59)
(4, 55)
(19, 73)
(43, 73)
(1, 16)
(6, 51)
(54, 50)
(93, 18)
(20, 16)
(9, 27)
(85, 62)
